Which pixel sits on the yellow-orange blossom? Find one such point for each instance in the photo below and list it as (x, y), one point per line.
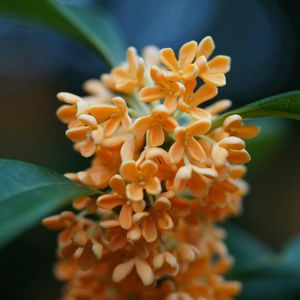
(167, 179)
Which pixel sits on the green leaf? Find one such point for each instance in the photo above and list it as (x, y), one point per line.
(88, 24)
(270, 137)
(286, 105)
(283, 265)
(270, 289)
(264, 274)
(255, 260)
(29, 193)
(292, 251)
(244, 247)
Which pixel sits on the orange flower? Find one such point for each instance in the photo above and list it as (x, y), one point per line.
(231, 149)
(99, 93)
(128, 149)
(181, 207)
(85, 132)
(74, 107)
(218, 107)
(151, 57)
(165, 264)
(115, 117)
(164, 89)
(183, 68)
(190, 100)
(195, 178)
(179, 296)
(219, 192)
(155, 123)
(212, 287)
(84, 129)
(115, 235)
(212, 71)
(79, 129)
(80, 239)
(234, 126)
(105, 165)
(187, 252)
(208, 263)
(185, 142)
(118, 198)
(90, 139)
(167, 170)
(143, 270)
(85, 203)
(127, 78)
(141, 177)
(80, 105)
(150, 224)
(65, 270)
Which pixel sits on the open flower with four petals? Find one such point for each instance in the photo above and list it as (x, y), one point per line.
(183, 67)
(195, 178)
(150, 225)
(211, 71)
(114, 117)
(155, 124)
(186, 143)
(127, 78)
(141, 177)
(190, 100)
(118, 198)
(163, 89)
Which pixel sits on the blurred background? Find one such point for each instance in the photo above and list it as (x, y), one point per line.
(262, 38)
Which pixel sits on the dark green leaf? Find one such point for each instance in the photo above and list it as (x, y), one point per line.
(29, 193)
(286, 105)
(89, 25)
(270, 137)
(270, 289)
(243, 246)
(292, 251)
(286, 264)
(264, 274)
(255, 260)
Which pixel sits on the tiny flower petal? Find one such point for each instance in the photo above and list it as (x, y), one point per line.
(144, 271)
(121, 271)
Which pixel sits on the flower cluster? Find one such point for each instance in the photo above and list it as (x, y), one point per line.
(165, 177)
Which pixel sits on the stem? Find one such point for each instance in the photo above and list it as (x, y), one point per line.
(205, 137)
(177, 114)
(151, 200)
(82, 214)
(133, 113)
(138, 106)
(186, 160)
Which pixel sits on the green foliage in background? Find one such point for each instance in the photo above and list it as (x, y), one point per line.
(273, 131)
(92, 26)
(265, 274)
(30, 192)
(254, 259)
